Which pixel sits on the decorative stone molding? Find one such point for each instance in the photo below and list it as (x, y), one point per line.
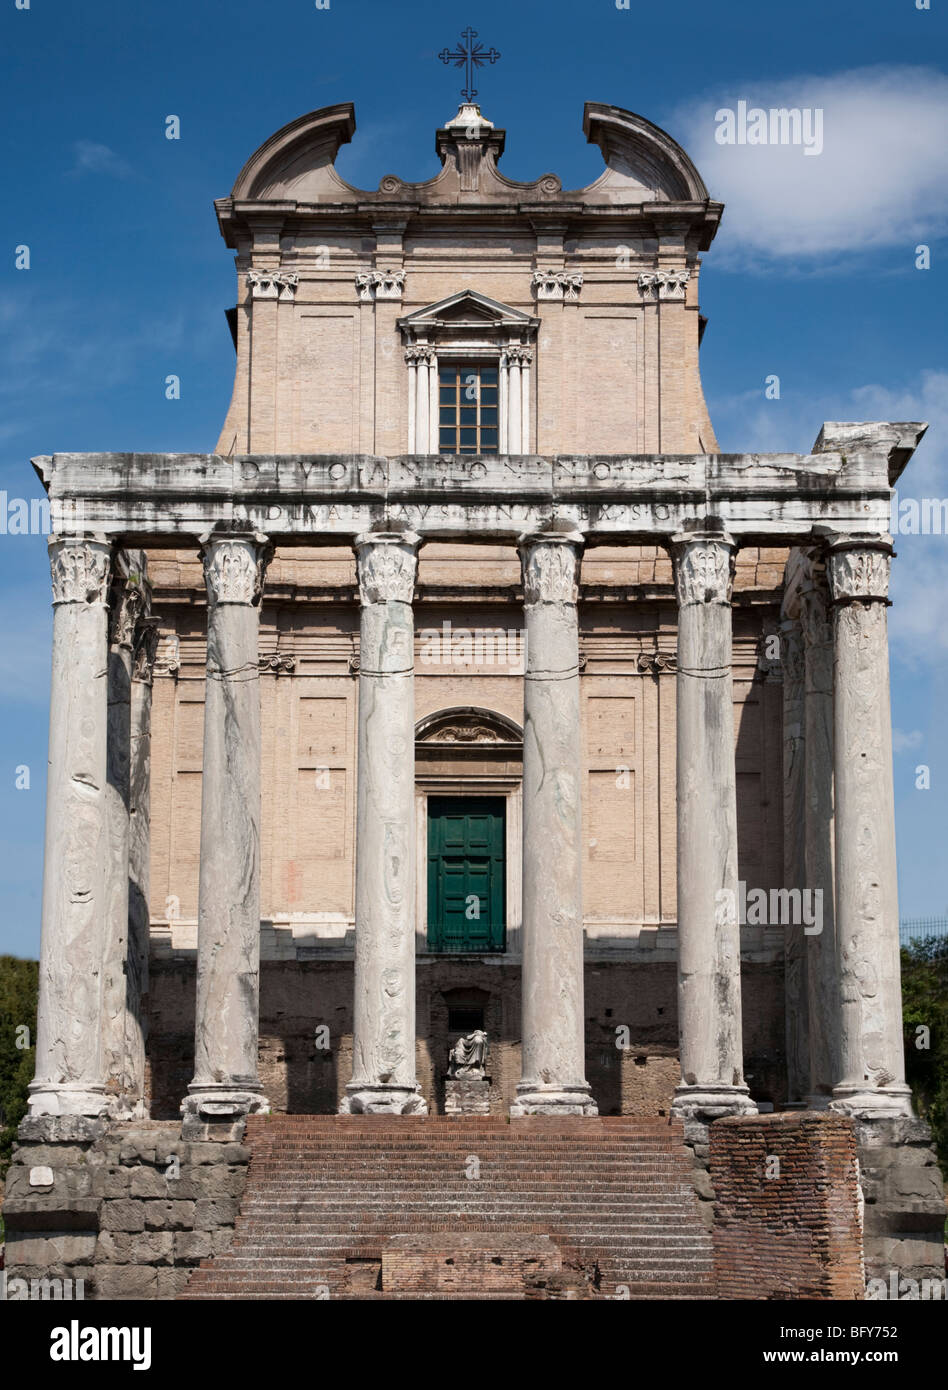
(656, 663)
(234, 567)
(146, 651)
(557, 284)
(168, 663)
(858, 571)
(704, 568)
(550, 566)
(380, 284)
(424, 355)
(664, 284)
(387, 564)
(80, 567)
(522, 356)
(278, 663)
(273, 284)
(129, 604)
(791, 651)
(815, 617)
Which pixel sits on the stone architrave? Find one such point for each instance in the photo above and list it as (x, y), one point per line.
(70, 1073)
(709, 943)
(872, 1068)
(383, 1046)
(553, 1080)
(796, 996)
(822, 973)
(225, 1085)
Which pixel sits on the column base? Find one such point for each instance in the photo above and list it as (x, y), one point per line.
(711, 1102)
(210, 1111)
(383, 1099)
(872, 1102)
(553, 1100)
(48, 1098)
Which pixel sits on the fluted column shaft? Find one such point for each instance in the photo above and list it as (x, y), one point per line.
(709, 945)
(872, 1081)
(553, 1033)
(225, 1084)
(70, 1073)
(383, 1065)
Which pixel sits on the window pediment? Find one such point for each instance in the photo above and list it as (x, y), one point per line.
(467, 314)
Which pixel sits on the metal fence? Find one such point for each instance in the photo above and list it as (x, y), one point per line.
(919, 928)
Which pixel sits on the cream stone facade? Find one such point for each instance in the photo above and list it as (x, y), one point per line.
(656, 672)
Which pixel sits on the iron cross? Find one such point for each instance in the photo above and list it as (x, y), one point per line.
(471, 54)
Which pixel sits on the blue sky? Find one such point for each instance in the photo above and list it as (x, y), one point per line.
(812, 276)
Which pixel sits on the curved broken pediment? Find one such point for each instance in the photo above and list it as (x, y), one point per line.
(467, 725)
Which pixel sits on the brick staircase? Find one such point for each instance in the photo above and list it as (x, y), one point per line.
(333, 1201)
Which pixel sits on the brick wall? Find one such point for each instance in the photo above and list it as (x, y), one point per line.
(786, 1213)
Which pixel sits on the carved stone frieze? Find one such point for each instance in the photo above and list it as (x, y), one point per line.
(273, 284)
(557, 284)
(858, 571)
(387, 564)
(550, 566)
(79, 568)
(278, 663)
(664, 284)
(656, 663)
(380, 284)
(234, 567)
(704, 569)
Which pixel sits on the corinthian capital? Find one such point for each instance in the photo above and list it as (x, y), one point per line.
(704, 567)
(550, 565)
(387, 562)
(234, 566)
(858, 570)
(79, 568)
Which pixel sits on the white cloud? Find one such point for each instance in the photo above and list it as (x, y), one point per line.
(91, 158)
(880, 181)
(902, 742)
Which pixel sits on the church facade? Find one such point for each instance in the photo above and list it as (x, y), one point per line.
(478, 739)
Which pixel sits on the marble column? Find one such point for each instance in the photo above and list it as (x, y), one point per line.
(553, 1080)
(872, 1081)
(796, 995)
(383, 1063)
(127, 605)
(422, 393)
(139, 862)
(225, 1085)
(514, 403)
(70, 1074)
(822, 975)
(709, 941)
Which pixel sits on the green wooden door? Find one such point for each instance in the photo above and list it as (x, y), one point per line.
(466, 873)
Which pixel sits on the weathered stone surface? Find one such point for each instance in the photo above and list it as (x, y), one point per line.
(53, 1248)
(872, 1066)
(212, 1212)
(135, 1247)
(169, 1216)
(383, 1062)
(709, 944)
(70, 1074)
(123, 1215)
(554, 1073)
(126, 1281)
(225, 1083)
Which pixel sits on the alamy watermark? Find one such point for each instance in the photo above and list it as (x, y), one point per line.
(778, 125)
(770, 907)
